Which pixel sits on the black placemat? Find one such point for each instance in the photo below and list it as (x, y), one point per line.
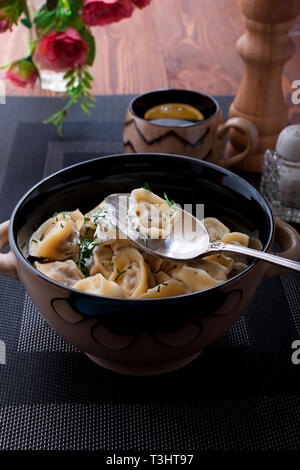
(242, 393)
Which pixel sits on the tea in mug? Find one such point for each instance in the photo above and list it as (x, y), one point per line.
(173, 114)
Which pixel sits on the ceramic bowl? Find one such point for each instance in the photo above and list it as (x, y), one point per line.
(151, 336)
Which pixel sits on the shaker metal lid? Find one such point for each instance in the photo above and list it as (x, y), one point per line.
(288, 143)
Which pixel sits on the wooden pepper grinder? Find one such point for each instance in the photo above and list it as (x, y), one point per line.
(265, 48)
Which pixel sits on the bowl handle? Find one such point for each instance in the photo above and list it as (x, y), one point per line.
(289, 239)
(8, 265)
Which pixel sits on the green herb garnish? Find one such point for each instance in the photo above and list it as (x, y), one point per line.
(86, 247)
(146, 186)
(158, 289)
(62, 226)
(65, 217)
(87, 219)
(120, 273)
(69, 253)
(54, 215)
(35, 241)
(170, 203)
(42, 237)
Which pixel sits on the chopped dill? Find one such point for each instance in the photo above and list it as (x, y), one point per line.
(86, 247)
(120, 273)
(146, 186)
(170, 203)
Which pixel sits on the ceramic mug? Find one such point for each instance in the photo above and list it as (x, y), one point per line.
(201, 139)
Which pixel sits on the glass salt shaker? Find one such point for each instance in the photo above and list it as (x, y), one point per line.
(280, 183)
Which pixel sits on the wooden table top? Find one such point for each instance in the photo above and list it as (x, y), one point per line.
(171, 43)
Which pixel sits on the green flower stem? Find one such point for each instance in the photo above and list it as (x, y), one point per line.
(78, 86)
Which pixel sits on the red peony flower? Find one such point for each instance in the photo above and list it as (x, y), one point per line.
(141, 3)
(22, 73)
(103, 12)
(63, 50)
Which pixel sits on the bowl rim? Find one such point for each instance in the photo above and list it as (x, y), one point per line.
(183, 90)
(21, 258)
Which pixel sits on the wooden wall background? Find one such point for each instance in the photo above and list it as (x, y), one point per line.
(171, 43)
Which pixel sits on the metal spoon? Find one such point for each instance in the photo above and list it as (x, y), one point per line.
(194, 241)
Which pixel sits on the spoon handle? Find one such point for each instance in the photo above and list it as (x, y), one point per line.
(243, 250)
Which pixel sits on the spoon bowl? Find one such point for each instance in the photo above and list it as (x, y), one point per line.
(188, 240)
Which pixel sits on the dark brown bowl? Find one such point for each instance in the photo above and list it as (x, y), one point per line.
(135, 336)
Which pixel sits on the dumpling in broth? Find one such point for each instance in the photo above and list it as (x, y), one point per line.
(98, 285)
(196, 279)
(57, 238)
(130, 271)
(65, 272)
(215, 228)
(102, 260)
(166, 289)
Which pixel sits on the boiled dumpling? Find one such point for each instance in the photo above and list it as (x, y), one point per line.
(93, 215)
(166, 289)
(213, 268)
(255, 243)
(225, 261)
(98, 285)
(65, 272)
(193, 278)
(154, 261)
(57, 238)
(151, 279)
(237, 267)
(236, 238)
(149, 215)
(161, 276)
(215, 228)
(130, 271)
(102, 260)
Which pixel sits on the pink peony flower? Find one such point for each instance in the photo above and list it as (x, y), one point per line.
(103, 12)
(22, 73)
(62, 50)
(5, 23)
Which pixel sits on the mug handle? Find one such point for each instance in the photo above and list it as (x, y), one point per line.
(8, 265)
(250, 132)
(289, 239)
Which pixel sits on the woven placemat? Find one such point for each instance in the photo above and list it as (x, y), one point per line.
(242, 393)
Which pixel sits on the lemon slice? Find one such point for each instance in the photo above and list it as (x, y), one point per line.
(174, 111)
